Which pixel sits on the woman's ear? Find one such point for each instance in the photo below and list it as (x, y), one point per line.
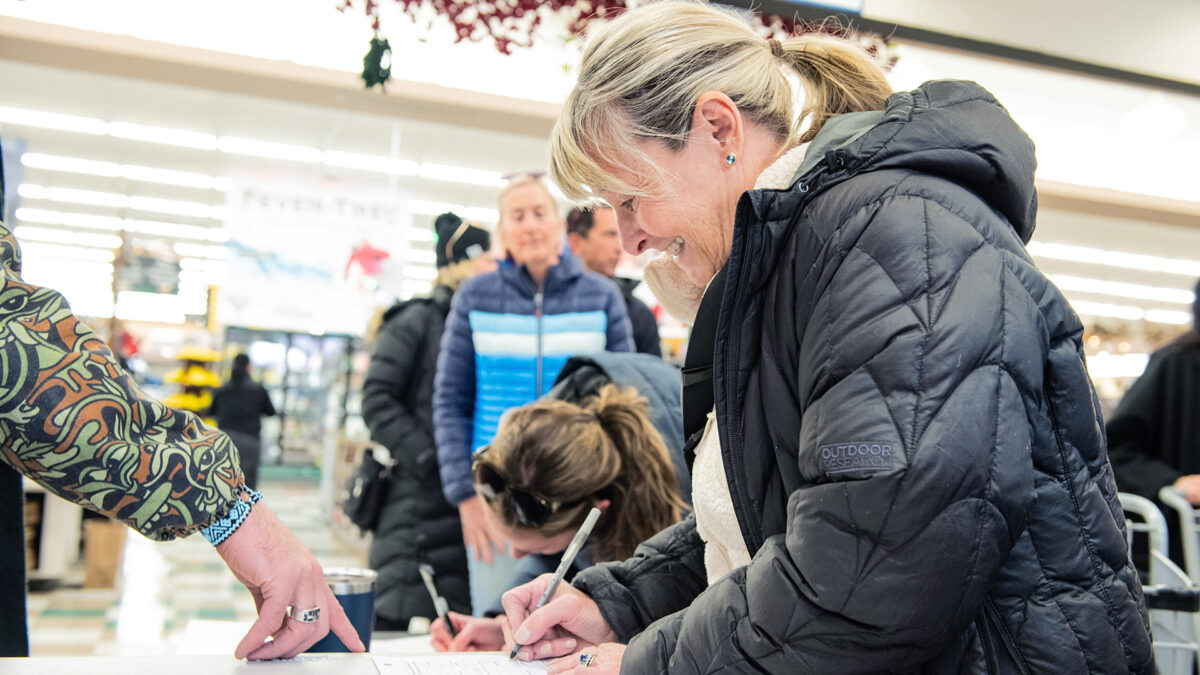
(601, 504)
(716, 121)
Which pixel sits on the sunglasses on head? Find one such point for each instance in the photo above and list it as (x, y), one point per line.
(530, 508)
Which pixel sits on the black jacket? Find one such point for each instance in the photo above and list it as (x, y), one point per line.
(910, 438)
(240, 406)
(416, 524)
(1154, 434)
(641, 319)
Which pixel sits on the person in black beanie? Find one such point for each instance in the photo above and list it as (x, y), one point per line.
(1154, 434)
(416, 525)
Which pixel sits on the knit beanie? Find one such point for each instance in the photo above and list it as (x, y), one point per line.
(457, 241)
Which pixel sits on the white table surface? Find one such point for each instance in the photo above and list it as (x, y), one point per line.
(305, 664)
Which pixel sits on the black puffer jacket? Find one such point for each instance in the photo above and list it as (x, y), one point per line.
(416, 522)
(911, 441)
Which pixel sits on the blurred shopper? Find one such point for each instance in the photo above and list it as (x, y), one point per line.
(1154, 434)
(239, 406)
(416, 525)
(553, 460)
(904, 468)
(507, 336)
(595, 239)
(75, 422)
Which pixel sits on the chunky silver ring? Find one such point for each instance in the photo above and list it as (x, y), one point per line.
(304, 615)
(586, 659)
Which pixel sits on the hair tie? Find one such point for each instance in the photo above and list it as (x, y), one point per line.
(776, 47)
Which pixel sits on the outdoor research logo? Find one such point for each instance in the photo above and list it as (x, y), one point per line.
(857, 456)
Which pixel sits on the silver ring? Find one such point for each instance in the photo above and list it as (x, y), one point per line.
(586, 659)
(304, 615)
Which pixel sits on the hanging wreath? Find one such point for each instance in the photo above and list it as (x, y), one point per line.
(512, 23)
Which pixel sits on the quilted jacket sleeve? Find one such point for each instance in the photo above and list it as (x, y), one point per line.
(454, 400)
(665, 573)
(75, 422)
(385, 410)
(914, 449)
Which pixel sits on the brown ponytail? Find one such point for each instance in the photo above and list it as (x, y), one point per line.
(606, 449)
(646, 493)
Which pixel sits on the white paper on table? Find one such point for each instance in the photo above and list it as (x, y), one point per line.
(461, 663)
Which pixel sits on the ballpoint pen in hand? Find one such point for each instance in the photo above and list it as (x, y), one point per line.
(439, 603)
(581, 536)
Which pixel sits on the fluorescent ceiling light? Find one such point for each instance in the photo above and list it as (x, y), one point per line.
(199, 250)
(1136, 261)
(353, 160)
(1168, 316)
(28, 215)
(171, 206)
(416, 255)
(222, 183)
(218, 212)
(49, 120)
(271, 150)
(172, 230)
(57, 194)
(1129, 312)
(424, 273)
(41, 250)
(148, 174)
(481, 214)
(419, 234)
(1070, 283)
(54, 236)
(1104, 309)
(203, 265)
(427, 208)
(92, 167)
(88, 221)
(458, 174)
(165, 135)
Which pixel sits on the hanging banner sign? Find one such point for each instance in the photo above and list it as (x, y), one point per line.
(311, 258)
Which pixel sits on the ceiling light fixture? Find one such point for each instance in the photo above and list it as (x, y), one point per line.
(269, 149)
(198, 140)
(48, 120)
(1123, 290)
(1098, 256)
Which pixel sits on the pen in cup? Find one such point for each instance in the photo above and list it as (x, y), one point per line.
(568, 557)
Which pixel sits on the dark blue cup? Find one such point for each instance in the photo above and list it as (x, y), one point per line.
(354, 587)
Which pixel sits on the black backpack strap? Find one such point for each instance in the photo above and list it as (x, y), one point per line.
(698, 396)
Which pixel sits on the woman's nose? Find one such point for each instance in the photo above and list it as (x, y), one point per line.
(633, 239)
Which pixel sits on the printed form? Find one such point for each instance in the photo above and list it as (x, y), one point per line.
(462, 663)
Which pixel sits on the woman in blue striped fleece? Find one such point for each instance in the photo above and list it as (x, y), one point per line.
(507, 336)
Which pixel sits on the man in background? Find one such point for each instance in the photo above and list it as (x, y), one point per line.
(594, 238)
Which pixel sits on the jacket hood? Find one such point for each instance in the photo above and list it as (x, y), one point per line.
(948, 128)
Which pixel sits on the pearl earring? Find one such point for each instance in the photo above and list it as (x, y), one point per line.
(731, 159)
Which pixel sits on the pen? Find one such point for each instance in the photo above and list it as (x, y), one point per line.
(581, 536)
(439, 603)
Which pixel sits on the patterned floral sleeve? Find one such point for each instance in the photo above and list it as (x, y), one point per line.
(75, 422)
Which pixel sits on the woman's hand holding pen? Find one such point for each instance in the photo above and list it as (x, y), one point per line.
(569, 621)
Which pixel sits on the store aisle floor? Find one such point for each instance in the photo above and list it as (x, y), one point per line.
(163, 586)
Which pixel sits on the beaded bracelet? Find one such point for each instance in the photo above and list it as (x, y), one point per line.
(219, 530)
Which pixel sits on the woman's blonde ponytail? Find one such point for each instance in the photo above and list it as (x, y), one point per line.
(839, 77)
